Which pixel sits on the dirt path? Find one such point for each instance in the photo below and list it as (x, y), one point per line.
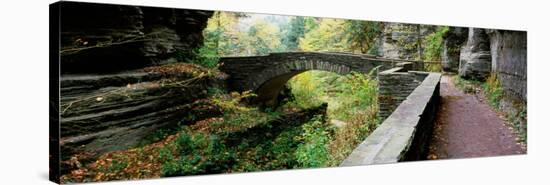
(466, 126)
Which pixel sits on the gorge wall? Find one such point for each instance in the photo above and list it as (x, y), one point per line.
(119, 78)
(101, 38)
(402, 41)
(453, 41)
(509, 60)
(486, 51)
(475, 56)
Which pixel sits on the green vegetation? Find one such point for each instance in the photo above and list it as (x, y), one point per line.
(242, 137)
(337, 35)
(467, 86)
(434, 44)
(313, 151)
(326, 35)
(293, 32)
(361, 35)
(246, 138)
(493, 90)
(351, 99)
(434, 47)
(306, 90)
(196, 153)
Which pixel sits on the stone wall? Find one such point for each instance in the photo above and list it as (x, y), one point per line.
(394, 86)
(404, 135)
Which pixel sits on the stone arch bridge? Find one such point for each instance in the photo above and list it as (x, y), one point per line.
(267, 75)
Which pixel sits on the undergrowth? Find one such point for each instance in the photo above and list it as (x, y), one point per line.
(245, 138)
(351, 99)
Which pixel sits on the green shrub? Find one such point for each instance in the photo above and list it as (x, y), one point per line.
(434, 47)
(434, 44)
(315, 137)
(493, 90)
(205, 56)
(198, 154)
(357, 92)
(467, 86)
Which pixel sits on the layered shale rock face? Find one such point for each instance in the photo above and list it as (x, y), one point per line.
(454, 39)
(509, 56)
(475, 56)
(119, 81)
(99, 38)
(509, 60)
(501, 52)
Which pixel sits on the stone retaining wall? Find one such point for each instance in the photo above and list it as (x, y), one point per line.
(394, 87)
(404, 135)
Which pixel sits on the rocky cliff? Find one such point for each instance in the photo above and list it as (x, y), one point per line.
(453, 41)
(509, 60)
(402, 41)
(502, 52)
(119, 81)
(475, 56)
(100, 38)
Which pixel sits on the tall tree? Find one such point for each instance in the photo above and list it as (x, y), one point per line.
(263, 38)
(328, 35)
(295, 31)
(222, 33)
(361, 35)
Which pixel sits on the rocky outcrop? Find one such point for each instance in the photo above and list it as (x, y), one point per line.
(402, 41)
(453, 40)
(509, 60)
(101, 38)
(475, 56)
(103, 113)
(509, 56)
(119, 81)
(501, 52)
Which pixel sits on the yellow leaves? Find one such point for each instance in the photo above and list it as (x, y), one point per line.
(99, 176)
(329, 36)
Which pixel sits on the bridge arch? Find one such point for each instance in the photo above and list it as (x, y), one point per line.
(267, 75)
(269, 82)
